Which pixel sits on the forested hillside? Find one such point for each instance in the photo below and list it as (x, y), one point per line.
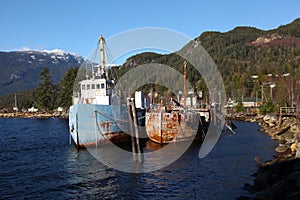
(249, 60)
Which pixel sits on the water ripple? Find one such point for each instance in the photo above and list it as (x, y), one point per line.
(37, 162)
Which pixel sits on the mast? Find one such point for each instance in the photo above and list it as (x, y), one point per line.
(184, 83)
(102, 67)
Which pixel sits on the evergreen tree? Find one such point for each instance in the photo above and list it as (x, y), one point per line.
(267, 107)
(66, 88)
(45, 90)
(239, 107)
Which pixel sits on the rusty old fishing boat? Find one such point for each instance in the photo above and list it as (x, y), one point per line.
(176, 122)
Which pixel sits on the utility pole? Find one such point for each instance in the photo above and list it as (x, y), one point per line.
(262, 93)
(292, 91)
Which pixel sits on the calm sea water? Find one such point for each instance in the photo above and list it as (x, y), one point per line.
(37, 162)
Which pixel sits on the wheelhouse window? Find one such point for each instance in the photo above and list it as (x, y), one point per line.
(83, 87)
(102, 85)
(88, 86)
(98, 86)
(93, 86)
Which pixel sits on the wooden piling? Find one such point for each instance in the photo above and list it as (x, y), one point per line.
(70, 139)
(77, 135)
(130, 117)
(135, 122)
(161, 133)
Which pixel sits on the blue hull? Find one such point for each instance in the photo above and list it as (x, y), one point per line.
(92, 124)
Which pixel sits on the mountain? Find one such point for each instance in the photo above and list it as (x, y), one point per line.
(20, 69)
(241, 53)
(246, 51)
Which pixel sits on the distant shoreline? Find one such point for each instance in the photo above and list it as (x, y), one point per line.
(35, 115)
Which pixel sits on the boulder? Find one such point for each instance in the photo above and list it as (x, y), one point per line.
(282, 148)
(266, 118)
(294, 147)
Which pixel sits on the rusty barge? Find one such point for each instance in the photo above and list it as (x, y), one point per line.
(176, 125)
(182, 120)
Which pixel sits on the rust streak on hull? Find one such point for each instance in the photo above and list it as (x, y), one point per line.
(114, 137)
(165, 127)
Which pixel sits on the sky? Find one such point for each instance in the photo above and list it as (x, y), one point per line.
(75, 25)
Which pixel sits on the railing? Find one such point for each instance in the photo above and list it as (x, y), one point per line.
(290, 111)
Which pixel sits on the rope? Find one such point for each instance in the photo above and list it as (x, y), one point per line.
(114, 119)
(109, 57)
(142, 117)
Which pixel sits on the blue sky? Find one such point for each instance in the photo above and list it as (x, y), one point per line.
(75, 26)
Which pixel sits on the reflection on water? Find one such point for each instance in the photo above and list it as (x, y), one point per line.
(38, 162)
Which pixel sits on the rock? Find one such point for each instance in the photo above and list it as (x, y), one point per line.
(283, 130)
(295, 178)
(280, 177)
(294, 146)
(266, 118)
(297, 136)
(293, 127)
(280, 137)
(270, 124)
(273, 120)
(249, 187)
(262, 129)
(294, 196)
(273, 193)
(258, 160)
(289, 137)
(284, 155)
(282, 148)
(298, 151)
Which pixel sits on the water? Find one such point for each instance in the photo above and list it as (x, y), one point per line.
(37, 162)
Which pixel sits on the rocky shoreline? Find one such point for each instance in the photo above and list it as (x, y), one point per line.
(280, 177)
(35, 115)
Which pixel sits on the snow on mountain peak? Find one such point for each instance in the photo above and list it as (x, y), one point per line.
(55, 51)
(55, 54)
(58, 52)
(61, 52)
